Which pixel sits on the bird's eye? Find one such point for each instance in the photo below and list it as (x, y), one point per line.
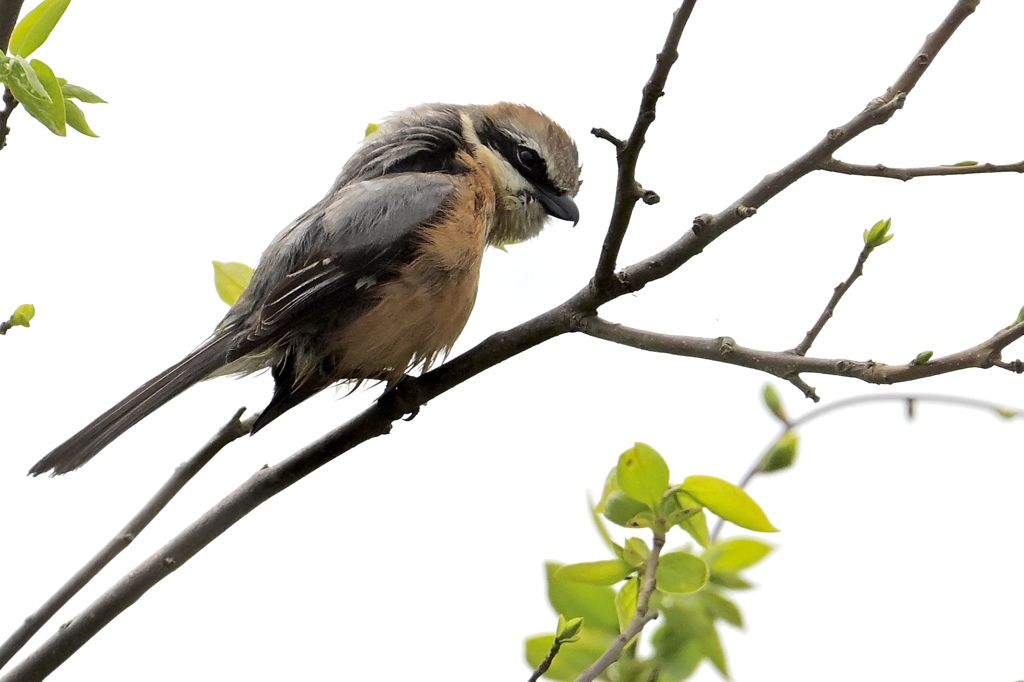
(529, 158)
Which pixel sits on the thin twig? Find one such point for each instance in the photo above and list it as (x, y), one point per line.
(556, 646)
(788, 365)
(9, 104)
(627, 191)
(909, 399)
(231, 431)
(707, 228)
(9, 11)
(837, 295)
(904, 174)
(640, 619)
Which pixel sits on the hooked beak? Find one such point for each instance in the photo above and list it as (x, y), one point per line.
(559, 206)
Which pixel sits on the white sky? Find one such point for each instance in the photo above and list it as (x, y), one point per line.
(420, 555)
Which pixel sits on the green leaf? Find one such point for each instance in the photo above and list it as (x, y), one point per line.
(568, 629)
(230, 279)
(602, 530)
(23, 315)
(595, 572)
(573, 658)
(371, 128)
(773, 402)
(635, 552)
(1020, 317)
(878, 234)
(1006, 412)
(626, 600)
(697, 527)
(76, 119)
(643, 474)
(736, 554)
(624, 511)
(678, 655)
(681, 572)
(80, 93)
(963, 164)
(696, 524)
(712, 646)
(730, 580)
(728, 501)
(22, 70)
(720, 608)
(578, 600)
(782, 453)
(46, 107)
(35, 27)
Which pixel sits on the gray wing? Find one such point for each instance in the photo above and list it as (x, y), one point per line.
(330, 261)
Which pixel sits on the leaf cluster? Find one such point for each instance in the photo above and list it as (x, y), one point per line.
(689, 587)
(49, 99)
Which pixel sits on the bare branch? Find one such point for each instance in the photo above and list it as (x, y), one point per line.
(627, 191)
(641, 618)
(788, 365)
(909, 399)
(881, 171)
(9, 104)
(830, 307)
(231, 431)
(707, 228)
(9, 11)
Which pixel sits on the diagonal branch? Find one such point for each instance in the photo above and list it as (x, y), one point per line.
(788, 365)
(9, 11)
(830, 307)
(644, 615)
(231, 431)
(707, 228)
(904, 174)
(627, 191)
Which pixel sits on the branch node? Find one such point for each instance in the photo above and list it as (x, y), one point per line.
(602, 134)
(704, 220)
(649, 197)
(745, 211)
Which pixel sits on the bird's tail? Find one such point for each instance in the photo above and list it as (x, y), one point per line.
(85, 444)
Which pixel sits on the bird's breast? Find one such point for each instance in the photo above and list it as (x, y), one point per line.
(421, 312)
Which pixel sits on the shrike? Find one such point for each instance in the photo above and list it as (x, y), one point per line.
(380, 275)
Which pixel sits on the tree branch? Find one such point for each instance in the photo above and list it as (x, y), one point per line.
(909, 399)
(627, 190)
(231, 431)
(707, 228)
(830, 307)
(788, 365)
(9, 11)
(640, 619)
(881, 171)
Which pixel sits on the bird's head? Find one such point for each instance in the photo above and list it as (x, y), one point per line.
(533, 163)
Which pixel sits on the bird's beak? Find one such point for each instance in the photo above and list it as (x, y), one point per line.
(559, 206)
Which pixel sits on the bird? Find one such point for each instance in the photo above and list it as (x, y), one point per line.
(379, 277)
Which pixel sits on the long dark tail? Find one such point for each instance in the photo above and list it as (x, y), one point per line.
(87, 443)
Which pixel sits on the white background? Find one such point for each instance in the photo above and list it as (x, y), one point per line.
(419, 556)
